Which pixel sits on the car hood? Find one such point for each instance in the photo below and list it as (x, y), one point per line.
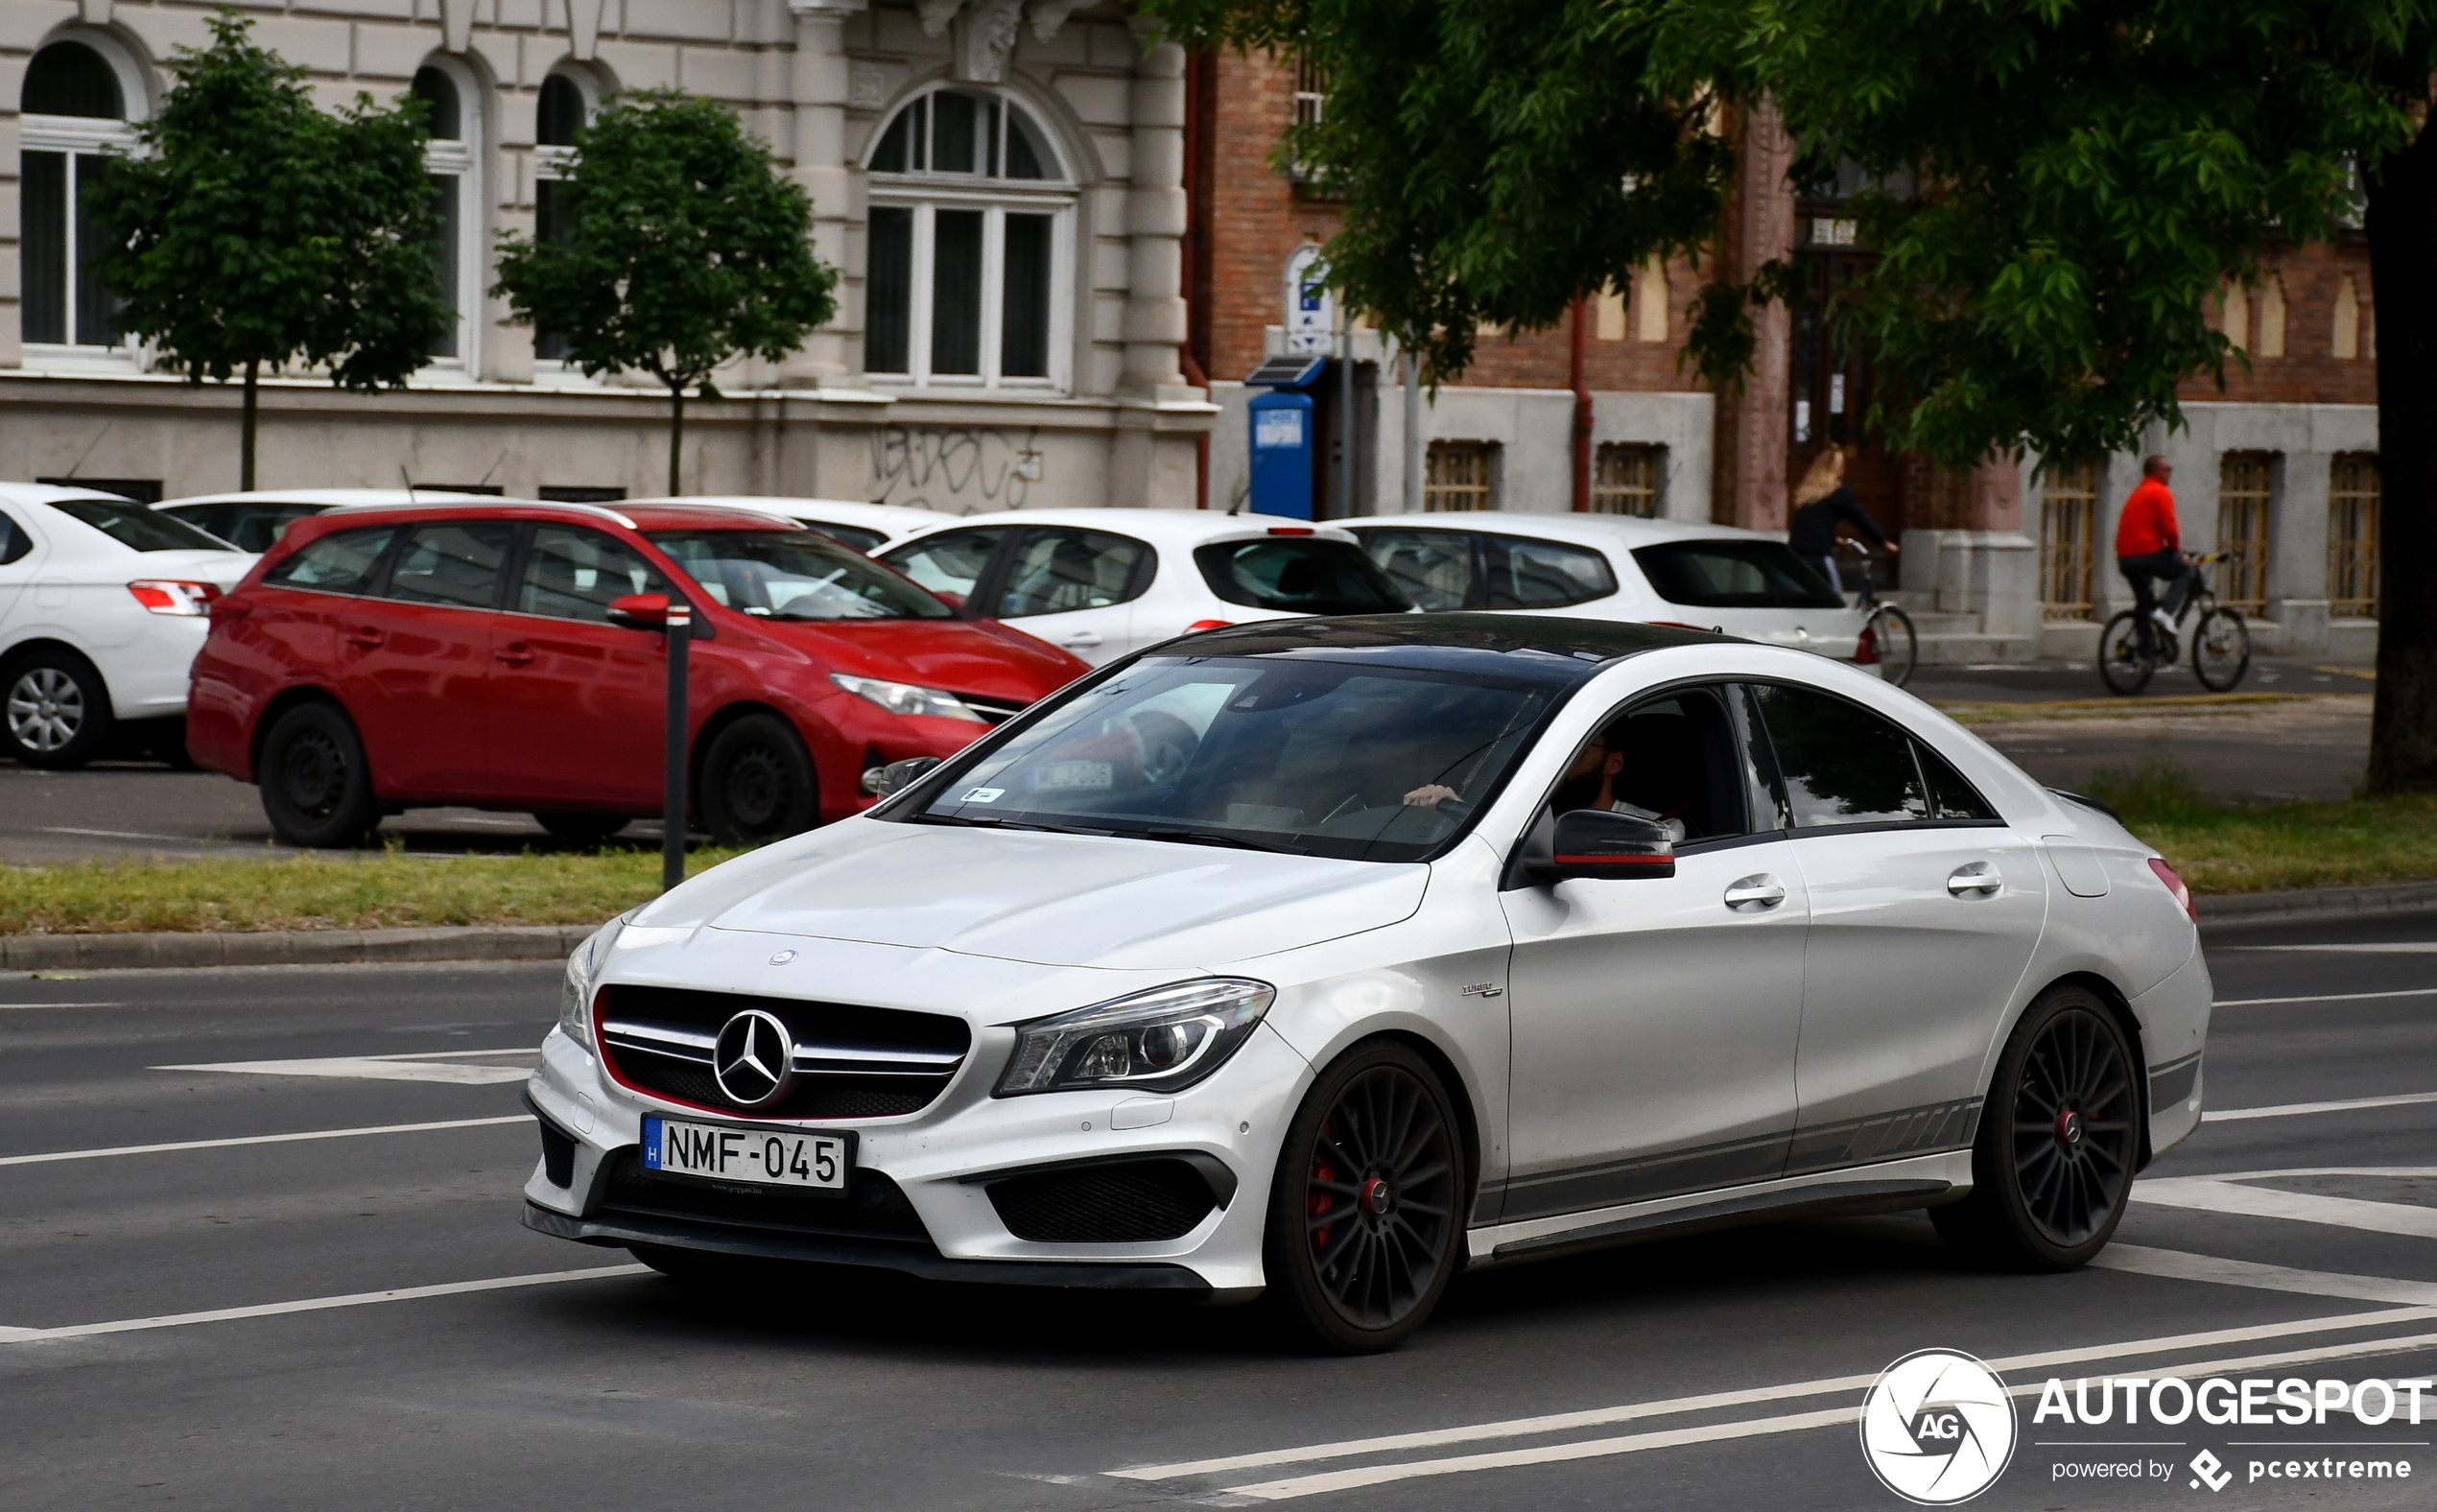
(1053, 900)
(960, 655)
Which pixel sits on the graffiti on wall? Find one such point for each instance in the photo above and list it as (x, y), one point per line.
(960, 470)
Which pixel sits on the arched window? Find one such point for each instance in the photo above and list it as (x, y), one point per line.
(565, 107)
(453, 161)
(971, 251)
(75, 110)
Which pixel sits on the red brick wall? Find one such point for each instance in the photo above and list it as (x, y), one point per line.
(2309, 372)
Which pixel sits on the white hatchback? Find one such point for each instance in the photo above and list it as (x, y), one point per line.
(1615, 567)
(1103, 582)
(253, 520)
(1333, 958)
(104, 604)
(864, 526)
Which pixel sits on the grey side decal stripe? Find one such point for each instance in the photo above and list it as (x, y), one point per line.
(1887, 1136)
(1729, 1164)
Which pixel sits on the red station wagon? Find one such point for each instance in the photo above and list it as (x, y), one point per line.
(376, 660)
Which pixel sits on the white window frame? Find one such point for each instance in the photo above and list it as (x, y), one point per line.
(462, 160)
(926, 193)
(551, 164)
(88, 136)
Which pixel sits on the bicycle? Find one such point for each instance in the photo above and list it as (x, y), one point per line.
(1887, 639)
(2220, 641)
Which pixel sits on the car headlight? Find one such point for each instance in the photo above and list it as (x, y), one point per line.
(906, 698)
(1163, 1040)
(583, 970)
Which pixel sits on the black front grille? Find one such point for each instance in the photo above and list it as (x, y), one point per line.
(935, 1042)
(1132, 1202)
(872, 1208)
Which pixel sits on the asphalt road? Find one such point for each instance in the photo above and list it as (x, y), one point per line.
(609, 1389)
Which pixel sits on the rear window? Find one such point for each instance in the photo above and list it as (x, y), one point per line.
(341, 562)
(1735, 575)
(854, 535)
(137, 528)
(1298, 575)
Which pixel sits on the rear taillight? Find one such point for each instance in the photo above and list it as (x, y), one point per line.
(175, 595)
(2175, 885)
(1199, 625)
(1865, 651)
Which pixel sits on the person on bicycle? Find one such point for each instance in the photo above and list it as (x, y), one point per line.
(1822, 504)
(2149, 546)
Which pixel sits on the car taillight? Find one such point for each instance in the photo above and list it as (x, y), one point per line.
(175, 595)
(1865, 651)
(2175, 885)
(1199, 625)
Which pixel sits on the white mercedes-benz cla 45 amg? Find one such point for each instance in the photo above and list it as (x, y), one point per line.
(1327, 958)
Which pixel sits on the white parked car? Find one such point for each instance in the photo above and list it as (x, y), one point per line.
(1614, 567)
(252, 521)
(864, 526)
(1104, 582)
(102, 604)
(1334, 957)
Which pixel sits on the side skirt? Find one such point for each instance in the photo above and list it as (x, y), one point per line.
(1921, 1181)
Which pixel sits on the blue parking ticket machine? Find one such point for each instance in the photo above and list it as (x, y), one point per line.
(1283, 446)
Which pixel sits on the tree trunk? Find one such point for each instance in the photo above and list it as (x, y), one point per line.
(246, 438)
(676, 436)
(2401, 221)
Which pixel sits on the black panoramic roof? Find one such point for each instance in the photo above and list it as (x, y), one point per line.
(1536, 645)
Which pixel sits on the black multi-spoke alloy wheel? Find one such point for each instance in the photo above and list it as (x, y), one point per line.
(2122, 663)
(1366, 1214)
(2059, 1140)
(582, 831)
(317, 786)
(2220, 649)
(757, 783)
(55, 710)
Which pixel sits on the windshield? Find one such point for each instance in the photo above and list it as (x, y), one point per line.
(138, 527)
(796, 575)
(1314, 757)
(1730, 574)
(1299, 574)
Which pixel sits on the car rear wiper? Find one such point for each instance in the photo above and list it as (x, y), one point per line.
(1206, 838)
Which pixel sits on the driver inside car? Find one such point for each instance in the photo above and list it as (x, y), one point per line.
(1591, 783)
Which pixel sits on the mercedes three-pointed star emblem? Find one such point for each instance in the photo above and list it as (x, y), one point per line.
(754, 1058)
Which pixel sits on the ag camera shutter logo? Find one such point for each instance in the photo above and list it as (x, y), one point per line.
(1937, 1427)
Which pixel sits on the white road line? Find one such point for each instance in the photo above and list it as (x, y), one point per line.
(2391, 948)
(2287, 1110)
(1601, 1417)
(2216, 1194)
(258, 1139)
(374, 1068)
(4, 1006)
(360, 1299)
(2327, 997)
(2218, 1270)
(1354, 1479)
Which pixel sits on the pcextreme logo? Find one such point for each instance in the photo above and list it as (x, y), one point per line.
(1937, 1427)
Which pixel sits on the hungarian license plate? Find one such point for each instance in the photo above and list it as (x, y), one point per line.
(764, 1157)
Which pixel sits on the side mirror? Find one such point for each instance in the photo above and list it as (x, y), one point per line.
(1593, 842)
(641, 611)
(882, 781)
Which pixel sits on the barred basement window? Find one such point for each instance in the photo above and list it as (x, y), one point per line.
(2352, 536)
(1457, 477)
(2069, 524)
(2245, 486)
(1625, 479)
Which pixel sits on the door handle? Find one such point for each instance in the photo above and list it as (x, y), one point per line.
(1754, 893)
(1976, 877)
(1080, 638)
(516, 653)
(367, 638)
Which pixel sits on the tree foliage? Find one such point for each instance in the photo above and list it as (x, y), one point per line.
(683, 248)
(253, 227)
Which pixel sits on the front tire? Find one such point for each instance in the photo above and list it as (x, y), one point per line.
(758, 783)
(1366, 1216)
(317, 786)
(2122, 666)
(2060, 1136)
(55, 710)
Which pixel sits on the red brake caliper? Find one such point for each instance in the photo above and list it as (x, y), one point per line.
(1321, 1203)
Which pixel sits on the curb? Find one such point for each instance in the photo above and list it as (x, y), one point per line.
(291, 948)
(2317, 903)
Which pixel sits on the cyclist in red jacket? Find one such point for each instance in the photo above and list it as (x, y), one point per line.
(2150, 544)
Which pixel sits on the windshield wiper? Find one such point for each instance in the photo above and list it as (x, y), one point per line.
(1206, 838)
(987, 822)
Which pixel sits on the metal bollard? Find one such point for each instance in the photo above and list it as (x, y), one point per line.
(679, 636)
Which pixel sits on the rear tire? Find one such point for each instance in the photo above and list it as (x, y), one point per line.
(316, 786)
(2120, 664)
(55, 710)
(2220, 649)
(1898, 648)
(582, 831)
(757, 783)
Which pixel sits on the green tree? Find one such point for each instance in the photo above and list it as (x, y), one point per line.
(254, 228)
(682, 247)
(2083, 176)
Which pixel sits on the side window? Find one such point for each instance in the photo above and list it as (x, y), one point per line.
(339, 563)
(254, 527)
(1545, 575)
(1060, 570)
(1950, 795)
(1840, 763)
(574, 575)
(453, 563)
(1432, 568)
(1675, 759)
(950, 563)
(15, 543)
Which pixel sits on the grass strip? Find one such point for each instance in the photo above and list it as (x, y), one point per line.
(2272, 847)
(2200, 705)
(318, 892)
